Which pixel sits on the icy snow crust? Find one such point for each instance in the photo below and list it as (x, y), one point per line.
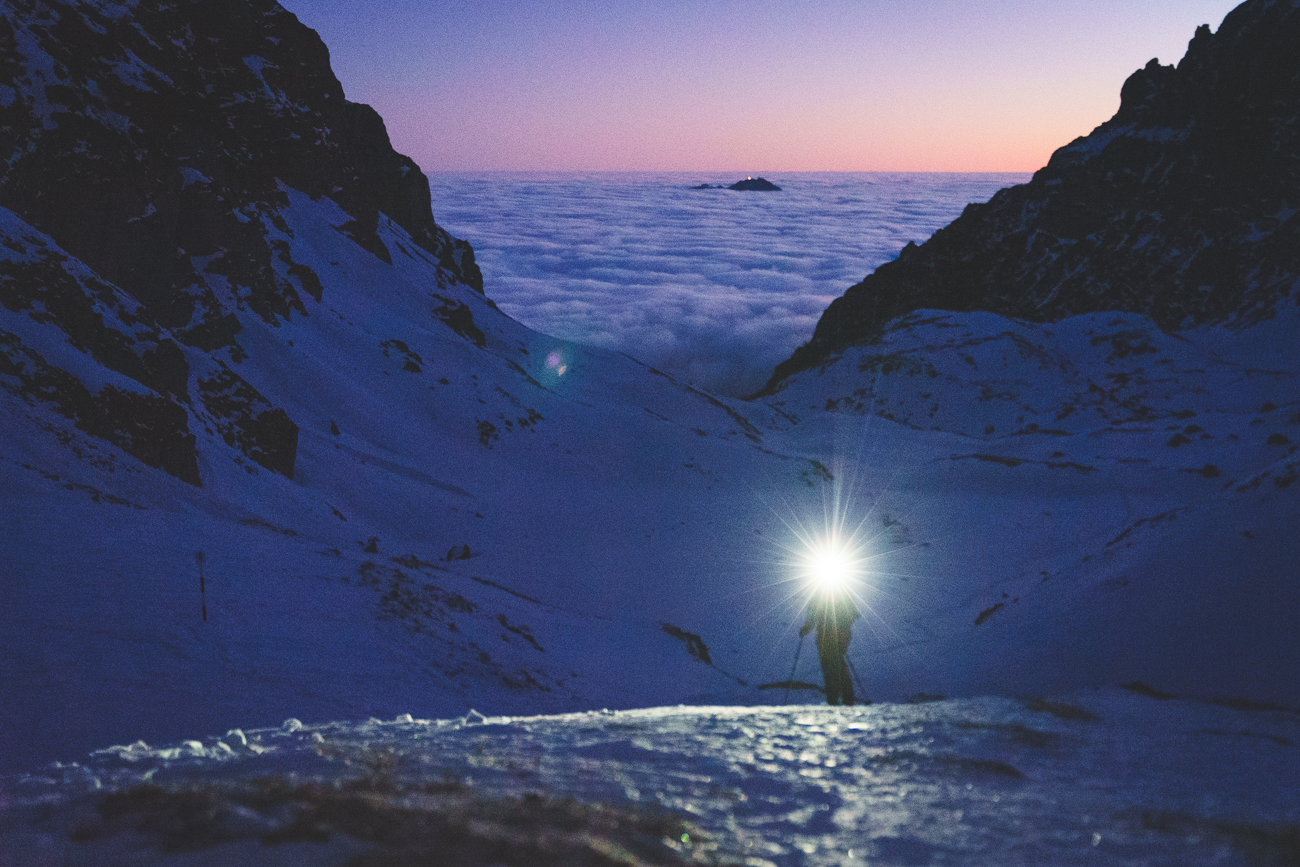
(1106, 777)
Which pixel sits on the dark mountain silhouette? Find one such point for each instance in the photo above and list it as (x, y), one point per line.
(1182, 207)
(155, 144)
(755, 184)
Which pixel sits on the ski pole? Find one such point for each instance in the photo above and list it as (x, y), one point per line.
(789, 681)
(857, 680)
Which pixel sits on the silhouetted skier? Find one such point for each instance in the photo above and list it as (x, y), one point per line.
(832, 614)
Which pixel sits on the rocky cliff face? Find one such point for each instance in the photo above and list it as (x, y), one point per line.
(156, 144)
(1182, 207)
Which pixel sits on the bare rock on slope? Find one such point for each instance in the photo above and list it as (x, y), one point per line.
(155, 145)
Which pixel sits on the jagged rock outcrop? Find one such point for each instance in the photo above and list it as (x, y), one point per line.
(1185, 207)
(755, 185)
(156, 144)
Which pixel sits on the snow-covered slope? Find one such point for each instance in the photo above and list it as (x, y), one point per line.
(1100, 500)
(1104, 436)
(475, 510)
(230, 326)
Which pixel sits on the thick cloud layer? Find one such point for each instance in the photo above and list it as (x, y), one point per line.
(713, 287)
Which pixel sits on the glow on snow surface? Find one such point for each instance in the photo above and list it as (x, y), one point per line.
(1103, 777)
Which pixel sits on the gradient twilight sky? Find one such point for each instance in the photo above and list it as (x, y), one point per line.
(745, 85)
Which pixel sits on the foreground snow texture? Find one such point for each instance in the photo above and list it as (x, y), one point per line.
(1105, 777)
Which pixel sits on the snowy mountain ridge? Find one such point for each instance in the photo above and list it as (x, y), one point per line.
(229, 328)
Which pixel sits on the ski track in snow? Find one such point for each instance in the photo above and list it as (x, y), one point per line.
(1104, 777)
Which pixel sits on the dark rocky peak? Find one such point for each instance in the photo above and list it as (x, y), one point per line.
(1185, 207)
(1145, 94)
(147, 151)
(401, 191)
(145, 136)
(755, 184)
(1228, 87)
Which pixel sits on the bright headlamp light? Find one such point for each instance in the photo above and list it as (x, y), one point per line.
(829, 568)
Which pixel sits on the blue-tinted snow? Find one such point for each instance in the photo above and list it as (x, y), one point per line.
(1104, 778)
(1056, 552)
(714, 287)
(1033, 559)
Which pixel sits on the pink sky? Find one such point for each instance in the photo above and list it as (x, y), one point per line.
(761, 85)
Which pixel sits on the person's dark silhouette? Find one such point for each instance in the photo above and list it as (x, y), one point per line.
(832, 615)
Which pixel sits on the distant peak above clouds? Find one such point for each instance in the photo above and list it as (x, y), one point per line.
(750, 183)
(756, 185)
(1182, 207)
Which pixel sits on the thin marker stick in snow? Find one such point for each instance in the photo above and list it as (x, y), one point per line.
(789, 681)
(198, 557)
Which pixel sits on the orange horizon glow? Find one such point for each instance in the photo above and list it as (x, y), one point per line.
(753, 87)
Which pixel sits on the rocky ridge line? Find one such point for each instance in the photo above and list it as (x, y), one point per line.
(1182, 207)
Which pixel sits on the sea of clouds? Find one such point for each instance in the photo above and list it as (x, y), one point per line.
(713, 287)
